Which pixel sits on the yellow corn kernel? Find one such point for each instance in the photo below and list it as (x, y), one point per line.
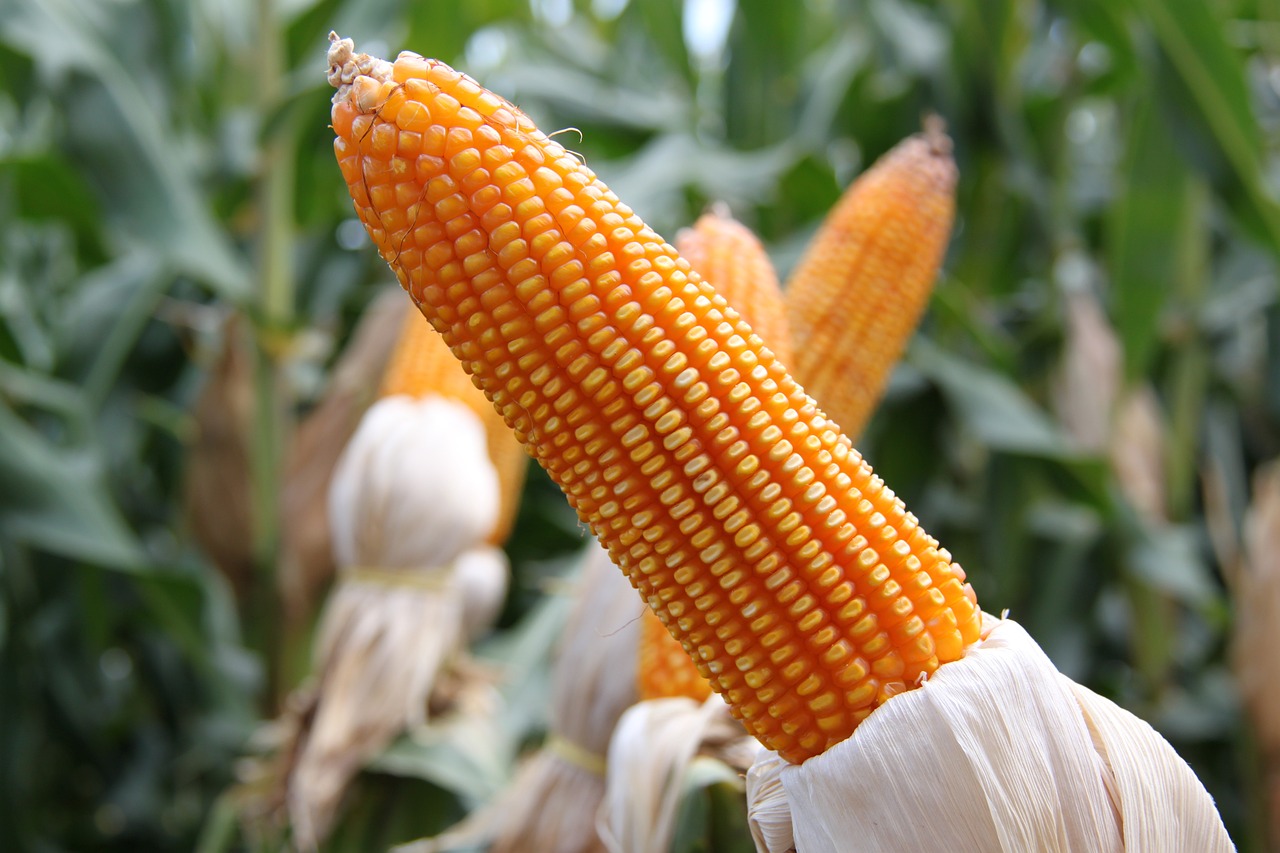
(741, 514)
(860, 289)
(729, 256)
(421, 364)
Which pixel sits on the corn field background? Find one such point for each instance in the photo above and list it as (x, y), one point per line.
(1079, 420)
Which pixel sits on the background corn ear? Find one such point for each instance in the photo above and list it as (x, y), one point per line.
(859, 291)
(803, 587)
(422, 364)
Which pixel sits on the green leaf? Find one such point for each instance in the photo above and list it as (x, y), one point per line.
(465, 755)
(1153, 201)
(1193, 36)
(45, 188)
(713, 814)
(151, 182)
(55, 500)
(1169, 559)
(990, 405)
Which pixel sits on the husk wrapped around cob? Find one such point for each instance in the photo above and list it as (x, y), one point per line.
(414, 499)
(1019, 756)
(808, 595)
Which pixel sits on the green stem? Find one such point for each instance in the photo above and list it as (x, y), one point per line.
(275, 312)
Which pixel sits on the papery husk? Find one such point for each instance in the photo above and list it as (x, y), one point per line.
(996, 752)
(768, 812)
(482, 576)
(651, 750)
(413, 487)
(306, 563)
(217, 486)
(551, 804)
(1089, 378)
(413, 493)
(1256, 590)
(1137, 453)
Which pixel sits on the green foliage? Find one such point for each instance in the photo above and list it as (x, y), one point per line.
(166, 164)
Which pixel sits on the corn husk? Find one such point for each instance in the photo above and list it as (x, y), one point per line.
(552, 803)
(650, 752)
(413, 499)
(1256, 590)
(217, 491)
(1088, 379)
(996, 752)
(1137, 451)
(306, 564)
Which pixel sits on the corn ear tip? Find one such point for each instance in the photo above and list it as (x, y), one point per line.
(935, 134)
(346, 66)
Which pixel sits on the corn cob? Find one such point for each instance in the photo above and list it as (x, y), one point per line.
(422, 364)
(729, 256)
(862, 285)
(800, 584)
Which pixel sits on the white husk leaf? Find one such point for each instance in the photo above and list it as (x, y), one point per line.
(1088, 378)
(768, 812)
(996, 752)
(413, 493)
(482, 576)
(1161, 803)
(551, 806)
(414, 486)
(651, 749)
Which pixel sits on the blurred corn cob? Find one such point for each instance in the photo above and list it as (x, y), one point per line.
(864, 282)
(806, 591)
(729, 256)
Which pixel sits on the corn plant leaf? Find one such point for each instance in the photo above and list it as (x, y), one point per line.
(1170, 560)
(713, 813)
(990, 405)
(1192, 35)
(155, 197)
(1152, 203)
(54, 500)
(46, 189)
